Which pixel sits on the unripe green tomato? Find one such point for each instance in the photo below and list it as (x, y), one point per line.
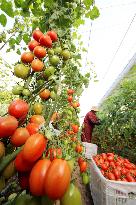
(71, 163)
(9, 171)
(65, 54)
(40, 82)
(57, 50)
(26, 92)
(49, 71)
(50, 52)
(54, 60)
(22, 200)
(85, 178)
(17, 90)
(53, 95)
(38, 108)
(21, 71)
(72, 196)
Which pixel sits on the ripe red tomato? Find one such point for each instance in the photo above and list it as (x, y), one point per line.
(52, 35)
(117, 173)
(8, 125)
(37, 177)
(75, 128)
(23, 178)
(39, 52)
(111, 176)
(32, 128)
(18, 108)
(45, 94)
(128, 165)
(37, 119)
(112, 164)
(79, 149)
(58, 174)
(124, 179)
(110, 158)
(70, 132)
(126, 160)
(32, 44)
(104, 167)
(37, 65)
(46, 41)
(70, 98)
(74, 139)
(110, 154)
(54, 153)
(70, 91)
(119, 168)
(37, 34)
(80, 159)
(107, 163)
(83, 166)
(124, 171)
(104, 156)
(21, 164)
(27, 57)
(19, 137)
(130, 178)
(34, 147)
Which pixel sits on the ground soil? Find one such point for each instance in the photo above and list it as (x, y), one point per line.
(85, 190)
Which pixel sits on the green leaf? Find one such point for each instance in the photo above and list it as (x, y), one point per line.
(93, 14)
(3, 20)
(88, 3)
(12, 42)
(7, 7)
(78, 22)
(18, 51)
(26, 38)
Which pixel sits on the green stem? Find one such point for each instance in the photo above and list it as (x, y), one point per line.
(7, 159)
(7, 41)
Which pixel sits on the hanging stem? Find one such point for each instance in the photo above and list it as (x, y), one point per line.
(6, 160)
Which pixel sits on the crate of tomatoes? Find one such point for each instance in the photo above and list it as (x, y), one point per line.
(113, 180)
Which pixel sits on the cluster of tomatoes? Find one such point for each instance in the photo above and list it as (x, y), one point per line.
(35, 172)
(74, 104)
(114, 167)
(43, 58)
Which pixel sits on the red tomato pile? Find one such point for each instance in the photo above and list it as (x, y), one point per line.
(114, 167)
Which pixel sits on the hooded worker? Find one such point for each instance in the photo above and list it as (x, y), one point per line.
(89, 123)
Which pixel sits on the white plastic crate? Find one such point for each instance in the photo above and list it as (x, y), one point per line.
(107, 192)
(90, 149)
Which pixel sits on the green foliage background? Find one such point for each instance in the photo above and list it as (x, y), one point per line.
(117, 132)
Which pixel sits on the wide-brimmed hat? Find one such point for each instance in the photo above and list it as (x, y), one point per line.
(94, 108)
